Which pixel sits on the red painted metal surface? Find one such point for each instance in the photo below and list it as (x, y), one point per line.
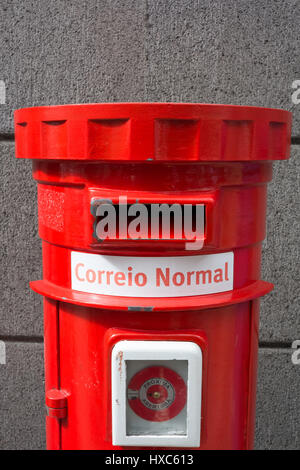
(219, 156)
(158, 131)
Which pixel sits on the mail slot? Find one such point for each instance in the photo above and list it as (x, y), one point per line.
(148, 221)
(152, 218)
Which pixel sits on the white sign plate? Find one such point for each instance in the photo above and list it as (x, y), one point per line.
(172, 276)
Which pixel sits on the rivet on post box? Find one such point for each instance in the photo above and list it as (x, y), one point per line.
(152, 218)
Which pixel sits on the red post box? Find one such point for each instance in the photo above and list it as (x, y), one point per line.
(152, 218)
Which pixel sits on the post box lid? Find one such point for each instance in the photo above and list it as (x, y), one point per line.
(153, 132)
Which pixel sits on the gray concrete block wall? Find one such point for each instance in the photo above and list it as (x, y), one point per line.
(278, 413)
(22, 396)
(233, 51)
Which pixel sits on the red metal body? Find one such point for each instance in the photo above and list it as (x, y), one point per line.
(220, 156)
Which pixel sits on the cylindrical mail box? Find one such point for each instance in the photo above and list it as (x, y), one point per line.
(152, 218)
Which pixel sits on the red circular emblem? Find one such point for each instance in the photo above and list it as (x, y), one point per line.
(157, 393)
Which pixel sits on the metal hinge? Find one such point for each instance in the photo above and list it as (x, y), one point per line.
(57, 403)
